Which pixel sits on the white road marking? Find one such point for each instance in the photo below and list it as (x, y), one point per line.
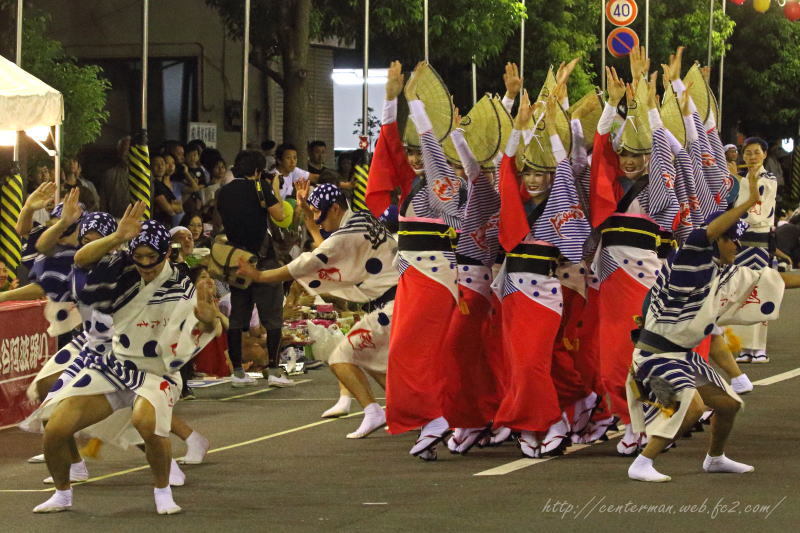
(777, 378)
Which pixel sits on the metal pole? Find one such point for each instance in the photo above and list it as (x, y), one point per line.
(474, 82)
(647, 28)
(19, 63)
(245, 69)
(365, 75)
(710, 29)
(522, 42)
(145, 37)
(425, 7)
(603, 44)
(721, 79)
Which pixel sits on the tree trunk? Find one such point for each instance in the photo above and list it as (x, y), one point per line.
(295, 50)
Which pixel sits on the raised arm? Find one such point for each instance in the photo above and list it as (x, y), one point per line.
(71, 213)
(38, 199)
(31, 291)
(727, 219)
(128, 227)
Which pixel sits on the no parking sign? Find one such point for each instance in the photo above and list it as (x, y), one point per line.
(621, 12)
(621, 41)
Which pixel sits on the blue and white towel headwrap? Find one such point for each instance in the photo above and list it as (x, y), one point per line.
(735, 232)
(98, 221)
(323, 197)
(154, 235)
(58, 212)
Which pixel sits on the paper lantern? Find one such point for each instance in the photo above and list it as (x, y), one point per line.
(761, 5)
(738, 2)
(791, 11)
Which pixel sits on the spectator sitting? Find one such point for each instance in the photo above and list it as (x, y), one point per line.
(187, 252)
(787, 243)
(213, 359)
(195, 225)
(316, 156)
(287, 170)
(195, 169)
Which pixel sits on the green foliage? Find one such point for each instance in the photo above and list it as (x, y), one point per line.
(762, 74)
(83, 89)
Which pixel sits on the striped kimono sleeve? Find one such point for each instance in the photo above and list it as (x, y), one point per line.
(563, 222)
(662, 205)
(714, 174)
(705, 194)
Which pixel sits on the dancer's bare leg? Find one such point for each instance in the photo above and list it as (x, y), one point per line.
(656, 445)
(725, 409)
(157, 448)
(354, 380)
(722, 356)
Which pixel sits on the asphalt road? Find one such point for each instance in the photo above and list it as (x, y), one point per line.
(276, 466)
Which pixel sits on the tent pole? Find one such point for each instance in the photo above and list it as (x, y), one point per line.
(522, 42)
(245, 68)
(365, 77)
(57, 160)
(721, 79)
(603, 44)
(425, 23)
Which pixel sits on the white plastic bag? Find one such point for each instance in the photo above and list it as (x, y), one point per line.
(325, 339)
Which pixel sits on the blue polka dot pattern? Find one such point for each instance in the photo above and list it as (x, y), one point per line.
(373, 265)
(554, 290)
(435, 269)
(57, 385)
(536, 293)
(323, 258)
(383, 319)
(314, 283)
(62, 357)
(99, 326)
(486, 277)
(101, 348)
(640, 274)
(84, 381)
(124, 341)
(176, 363)
(468, 280)
(62, 314)
(149, 349)
(87, 325)
(709, 329)
(767, 308)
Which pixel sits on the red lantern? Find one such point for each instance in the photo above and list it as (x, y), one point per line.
(791, 11)
(738, 2)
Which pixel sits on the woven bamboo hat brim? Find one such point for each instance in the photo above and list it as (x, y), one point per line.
(539, 152)
(432, 91)
(671, 115)
(637, 137)
(700, 92)
(591, 117)
(482, 131)
(506, 122)
(548, 85)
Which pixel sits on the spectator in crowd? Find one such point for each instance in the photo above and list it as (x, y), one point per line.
(6, 283)
(787, 243)
(213, 359)
(287, 171)
(245, 205)
(194, 223)
(317, 150)
(268, 148)
(732, 159)
(113, 188)
(72, 179)
(42, 173)
(166, 206)
(773, 163)
(193, 166)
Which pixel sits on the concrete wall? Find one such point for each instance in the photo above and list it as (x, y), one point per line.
(112, 29)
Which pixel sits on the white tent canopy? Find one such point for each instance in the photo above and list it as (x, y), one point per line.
(26, 101)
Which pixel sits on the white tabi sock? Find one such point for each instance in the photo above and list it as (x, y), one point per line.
(340, 408)
(196, 449)
(431, 433)
(642, 469)
(77, 472)
(722, 464)
(374, 419)
(164, 502)
(176, 476)
(60, 501)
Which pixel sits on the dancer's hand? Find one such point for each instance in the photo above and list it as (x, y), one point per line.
(615, 87)
(652, 96)
(131, 222)
(248, 270)
(395, 80)
(524, 113)
(752, 183)
(72, 207)
(206, 309)
(43, 195)
(512, 80)
(410, 89)
(673, 69)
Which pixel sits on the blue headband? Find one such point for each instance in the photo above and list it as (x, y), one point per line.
(323, 197)
(101, 222)
(154, 235)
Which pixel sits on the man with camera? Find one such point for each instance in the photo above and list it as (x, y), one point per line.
(245, 205)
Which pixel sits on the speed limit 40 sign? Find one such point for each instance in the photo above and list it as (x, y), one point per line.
(621, 12)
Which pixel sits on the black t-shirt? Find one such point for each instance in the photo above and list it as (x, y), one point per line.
(244, 220)
(160, 189)
(787, 240)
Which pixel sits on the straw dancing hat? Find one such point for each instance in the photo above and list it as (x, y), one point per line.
(593, 103)
(637, 137)
(432, 91)
(484, 128)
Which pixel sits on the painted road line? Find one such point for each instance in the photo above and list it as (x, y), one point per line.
(215, 450)
(519, 464)
(259, 391)
(777, 378)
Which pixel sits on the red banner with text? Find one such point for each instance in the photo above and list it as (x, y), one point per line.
(24, 348)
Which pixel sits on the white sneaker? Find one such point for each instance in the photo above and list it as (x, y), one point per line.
(246, 381)
(280, 381)
(741, 384)
(77, 472)
(36, 458)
